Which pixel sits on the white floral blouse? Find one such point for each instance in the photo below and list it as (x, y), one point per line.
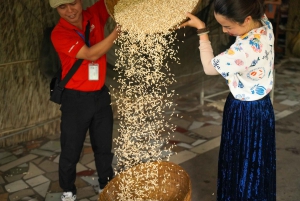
(249, 63)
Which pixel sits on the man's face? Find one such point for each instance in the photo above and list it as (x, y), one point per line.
(71, 12)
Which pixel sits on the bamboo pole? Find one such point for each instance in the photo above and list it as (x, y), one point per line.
(25, 129)
(17, 62)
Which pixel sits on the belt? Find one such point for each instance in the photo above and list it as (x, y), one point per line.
(84, 93)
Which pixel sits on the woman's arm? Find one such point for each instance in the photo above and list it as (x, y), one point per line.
(206, 55)
(206, 52)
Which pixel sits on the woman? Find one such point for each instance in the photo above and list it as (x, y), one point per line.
(247, 163)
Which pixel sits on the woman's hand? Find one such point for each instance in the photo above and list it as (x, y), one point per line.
(193, 22)
(117, 29)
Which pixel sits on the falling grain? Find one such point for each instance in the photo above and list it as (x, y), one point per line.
(146, 47)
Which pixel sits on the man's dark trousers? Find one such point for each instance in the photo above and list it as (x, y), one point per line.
(83, 111)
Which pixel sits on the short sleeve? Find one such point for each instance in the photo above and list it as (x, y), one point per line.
(67, 42)
(231, 61)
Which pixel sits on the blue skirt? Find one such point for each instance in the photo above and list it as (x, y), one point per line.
(247, 161)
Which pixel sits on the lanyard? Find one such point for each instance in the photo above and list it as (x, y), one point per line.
(81, 35)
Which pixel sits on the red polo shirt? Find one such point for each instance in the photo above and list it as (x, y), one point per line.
(68, 42)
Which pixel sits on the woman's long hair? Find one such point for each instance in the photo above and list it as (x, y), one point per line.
(238, 10)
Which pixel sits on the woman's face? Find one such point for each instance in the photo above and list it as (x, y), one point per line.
(232, 28)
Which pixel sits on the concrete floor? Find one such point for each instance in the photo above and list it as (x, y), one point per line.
(29, 171)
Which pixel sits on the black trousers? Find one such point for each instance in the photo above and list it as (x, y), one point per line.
(83, 111)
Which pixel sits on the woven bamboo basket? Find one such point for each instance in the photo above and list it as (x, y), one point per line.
(110, 4)
(172, 183)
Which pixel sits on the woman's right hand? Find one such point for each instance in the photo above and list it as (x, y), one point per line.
(117, 31)
(193, 22)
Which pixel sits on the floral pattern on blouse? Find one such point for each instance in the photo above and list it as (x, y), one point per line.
(248, 64)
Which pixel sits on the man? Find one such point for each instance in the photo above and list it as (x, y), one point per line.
(86, 100)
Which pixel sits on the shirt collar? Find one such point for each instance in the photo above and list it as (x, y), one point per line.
(265, 21)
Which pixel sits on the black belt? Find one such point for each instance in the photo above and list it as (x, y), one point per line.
(84, 93)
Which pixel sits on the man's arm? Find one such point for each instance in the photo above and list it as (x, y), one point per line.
(96, 51)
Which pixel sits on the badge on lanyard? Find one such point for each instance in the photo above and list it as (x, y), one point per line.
(93, 71)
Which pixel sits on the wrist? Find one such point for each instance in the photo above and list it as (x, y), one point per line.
(200, 27)
(202, 30)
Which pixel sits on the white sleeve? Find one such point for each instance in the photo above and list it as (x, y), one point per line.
(231, 61)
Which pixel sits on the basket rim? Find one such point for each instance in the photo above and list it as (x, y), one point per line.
(108, 10)
(175, 26)
(116, 178)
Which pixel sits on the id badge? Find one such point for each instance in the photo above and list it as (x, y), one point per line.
(93, 71)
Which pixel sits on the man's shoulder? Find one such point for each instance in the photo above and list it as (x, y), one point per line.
(59, 29)
(60, 33)
(56, 31)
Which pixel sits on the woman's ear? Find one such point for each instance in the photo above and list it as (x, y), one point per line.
(247, 20)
